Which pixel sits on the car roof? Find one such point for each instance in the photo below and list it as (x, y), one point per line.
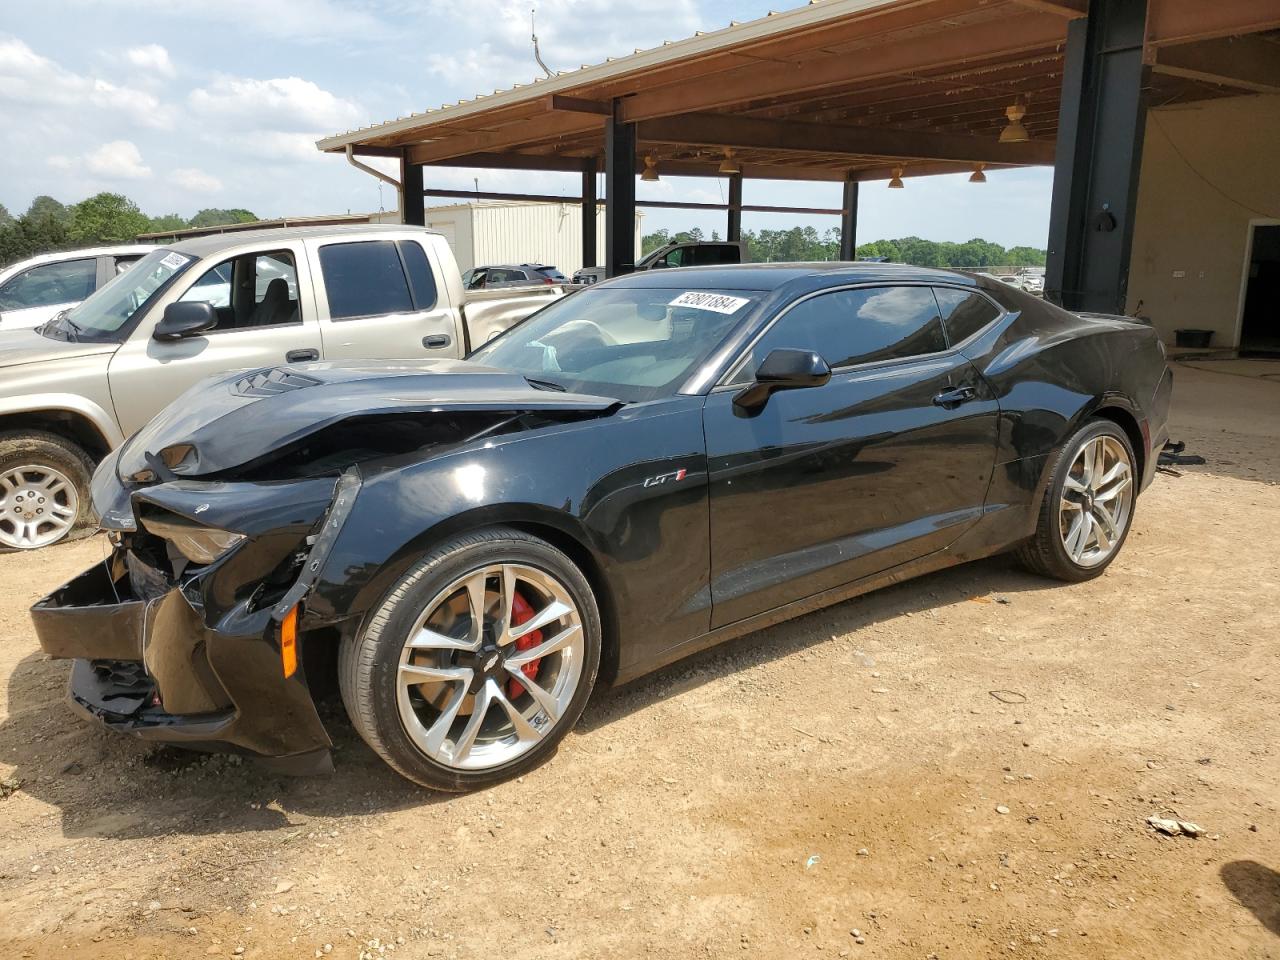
(217, 242)
(108, 251)
(771, 276)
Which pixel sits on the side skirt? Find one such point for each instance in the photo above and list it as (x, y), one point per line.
(798, 608)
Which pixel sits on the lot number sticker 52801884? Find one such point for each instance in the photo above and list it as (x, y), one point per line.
(715, 302)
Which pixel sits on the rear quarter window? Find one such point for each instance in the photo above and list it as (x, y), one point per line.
(364, 279)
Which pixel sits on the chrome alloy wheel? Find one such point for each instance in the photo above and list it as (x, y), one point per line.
(1097, 501)
(38, 506)
(490, 666)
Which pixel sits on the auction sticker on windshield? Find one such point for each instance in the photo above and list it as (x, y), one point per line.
(174, 260)
(715, 302)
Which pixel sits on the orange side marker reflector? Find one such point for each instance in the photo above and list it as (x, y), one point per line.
(289, 642)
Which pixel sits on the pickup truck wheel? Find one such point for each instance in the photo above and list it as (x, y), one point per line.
(44, 489)
(478, 662)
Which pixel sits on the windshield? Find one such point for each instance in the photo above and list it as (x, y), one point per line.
(106, 313)
(632, 344)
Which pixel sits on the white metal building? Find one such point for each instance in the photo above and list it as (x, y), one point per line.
(487, 232)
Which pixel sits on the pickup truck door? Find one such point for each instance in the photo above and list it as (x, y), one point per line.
(267, 317)
(381, 299)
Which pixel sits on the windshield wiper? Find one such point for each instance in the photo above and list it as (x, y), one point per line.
(73, 329)
(545, 385)
(58, 323)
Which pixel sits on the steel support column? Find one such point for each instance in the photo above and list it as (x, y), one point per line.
(735, 208)
(619, 195)
(1101, 124)
(589, 256)
(849, 221)
(412, 203)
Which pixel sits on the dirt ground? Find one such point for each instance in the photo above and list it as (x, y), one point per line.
(957, 767)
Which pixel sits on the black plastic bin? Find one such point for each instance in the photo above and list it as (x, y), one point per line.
(1192, 338)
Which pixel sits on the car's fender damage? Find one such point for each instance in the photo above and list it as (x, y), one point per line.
(177, 645)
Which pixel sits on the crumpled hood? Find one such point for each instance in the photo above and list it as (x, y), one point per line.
(231, 420)
(27, 346)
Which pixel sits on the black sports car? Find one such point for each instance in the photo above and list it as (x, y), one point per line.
(651, 466)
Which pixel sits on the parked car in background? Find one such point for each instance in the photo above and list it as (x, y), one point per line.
(34, 290)
(526, 274)
(651, 466)
(701, 253)
(72, 389)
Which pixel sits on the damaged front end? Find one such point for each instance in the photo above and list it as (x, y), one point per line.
(178, 635)
(222, 513)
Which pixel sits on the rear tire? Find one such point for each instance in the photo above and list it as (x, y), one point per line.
(44, 489)
(1088, 507)
(416, 675)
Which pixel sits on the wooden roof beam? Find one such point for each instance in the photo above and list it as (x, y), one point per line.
(1242, 63)
(1178, 21)
(1071, 9)
(550, 126)
(722, 130)
(949, 46)
(932, 169)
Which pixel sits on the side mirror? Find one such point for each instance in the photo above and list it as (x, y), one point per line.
(783, 370)
(185, 320)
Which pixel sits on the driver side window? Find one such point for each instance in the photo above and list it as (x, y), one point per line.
(254, 290)
(847, 327)
(51, 283)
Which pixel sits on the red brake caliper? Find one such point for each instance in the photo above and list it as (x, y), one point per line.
(521, 612)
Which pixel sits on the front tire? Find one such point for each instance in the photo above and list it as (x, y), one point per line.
(44, 489)
(1088, 508)
(477, 663)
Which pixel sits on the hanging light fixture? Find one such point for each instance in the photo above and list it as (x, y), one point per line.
(978, 176)
(729, 165)
(896, 182)
(1014, 131)
(650, 174)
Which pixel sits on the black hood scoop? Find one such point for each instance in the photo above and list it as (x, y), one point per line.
(270, 383)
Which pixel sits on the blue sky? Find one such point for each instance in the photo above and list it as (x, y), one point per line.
(185, 104)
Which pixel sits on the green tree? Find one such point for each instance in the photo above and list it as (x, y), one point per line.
(107, 218)
(47, 208)
(166, 223)
(5, 217)
(652, 241)
(215, 217)
(1025, 257)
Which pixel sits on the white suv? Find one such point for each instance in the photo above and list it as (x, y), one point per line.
(34, 291)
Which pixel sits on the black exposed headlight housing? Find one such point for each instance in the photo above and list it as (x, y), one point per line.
(200, 545)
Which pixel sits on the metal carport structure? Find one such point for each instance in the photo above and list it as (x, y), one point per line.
(850, 91)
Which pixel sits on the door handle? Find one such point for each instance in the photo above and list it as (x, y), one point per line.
(950, 399)
(437, 341)
(302, 356)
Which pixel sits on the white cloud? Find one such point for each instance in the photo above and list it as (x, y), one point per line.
(297, 20)
(287, 103)
(196, 181)
(28, 79)
(506, 54)
(117, 160)
(151, 57)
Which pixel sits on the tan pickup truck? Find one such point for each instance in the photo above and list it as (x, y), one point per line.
(73, 389)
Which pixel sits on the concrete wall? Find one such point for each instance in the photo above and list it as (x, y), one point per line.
(496, 232)
(1208, 169)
